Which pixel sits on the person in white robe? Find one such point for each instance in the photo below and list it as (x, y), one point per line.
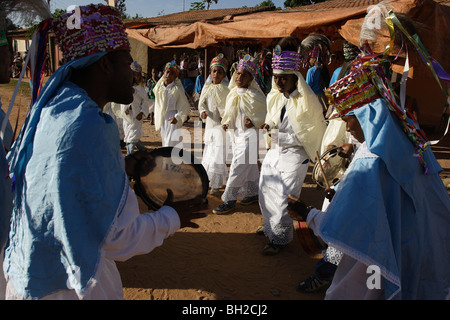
(151, 83)
(133, 114)
(296, 124)
(171, 106)
(115, 111)
(245, 111)
(211, 108)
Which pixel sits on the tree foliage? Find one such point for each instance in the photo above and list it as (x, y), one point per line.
(198, 5)
(299, 3)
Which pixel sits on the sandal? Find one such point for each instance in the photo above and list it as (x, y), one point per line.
(260, 230)
(313, 284)
(272, 249)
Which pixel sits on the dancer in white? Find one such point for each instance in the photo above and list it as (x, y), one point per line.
(245, 111)
(133, 114)
(171, 106)
(296, 123)
(211, 108)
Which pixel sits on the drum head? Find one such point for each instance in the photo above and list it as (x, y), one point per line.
(176, 169)
(334, 167)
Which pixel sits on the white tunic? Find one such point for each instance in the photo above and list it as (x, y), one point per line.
(170, 133)
(131, 126)
(132, 234)
(283, 171)
(115, 111)
(244, 173)
(214, 153)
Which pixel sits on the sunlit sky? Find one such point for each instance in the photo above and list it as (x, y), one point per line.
(153, 8)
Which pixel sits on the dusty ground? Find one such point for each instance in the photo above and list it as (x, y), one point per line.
(222, 259)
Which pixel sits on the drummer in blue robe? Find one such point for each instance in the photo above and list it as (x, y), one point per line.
(390, 215)
(74, 211)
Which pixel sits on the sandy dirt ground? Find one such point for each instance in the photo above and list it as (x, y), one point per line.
(222, 259)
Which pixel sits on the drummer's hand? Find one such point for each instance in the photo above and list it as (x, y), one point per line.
(264, 126)
(188, 209)
(248, 123)
(204, 115)
(225, 127)
(139, 162)
(346, 150)
(329, 193)
(173, 120)
(297, 209)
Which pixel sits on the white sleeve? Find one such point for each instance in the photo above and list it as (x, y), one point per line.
(314, 219)
(135, 233)
(288, 139)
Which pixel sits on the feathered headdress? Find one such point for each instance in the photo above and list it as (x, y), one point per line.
(27, 11)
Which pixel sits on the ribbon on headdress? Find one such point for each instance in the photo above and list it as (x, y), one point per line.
(367, 82)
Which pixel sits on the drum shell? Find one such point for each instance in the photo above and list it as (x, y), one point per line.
(177, 170)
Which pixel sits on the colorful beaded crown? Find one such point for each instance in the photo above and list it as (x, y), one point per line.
(220, 61)
(285, 60)
(88, 30)
(352, 91)
(248, 64)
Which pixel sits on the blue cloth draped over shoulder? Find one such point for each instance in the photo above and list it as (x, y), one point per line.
(388, 213)
(70, 185)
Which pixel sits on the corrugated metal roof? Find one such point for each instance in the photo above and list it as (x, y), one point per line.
(220, 15)
(194, 16)
(334, 4)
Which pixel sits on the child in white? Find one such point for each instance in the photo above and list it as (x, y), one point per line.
(171, 106)
(245, 111)
(134, 114)
(211, 108)
(297, 125)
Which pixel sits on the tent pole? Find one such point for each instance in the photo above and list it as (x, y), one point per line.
(205, 76)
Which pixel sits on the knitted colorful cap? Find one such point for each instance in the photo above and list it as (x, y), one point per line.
(352, 91)
(87, 30)
(220, 61)
(248, 64)
(285, 60)
(173, 66)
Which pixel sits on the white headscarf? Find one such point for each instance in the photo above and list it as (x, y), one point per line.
(306, 116)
